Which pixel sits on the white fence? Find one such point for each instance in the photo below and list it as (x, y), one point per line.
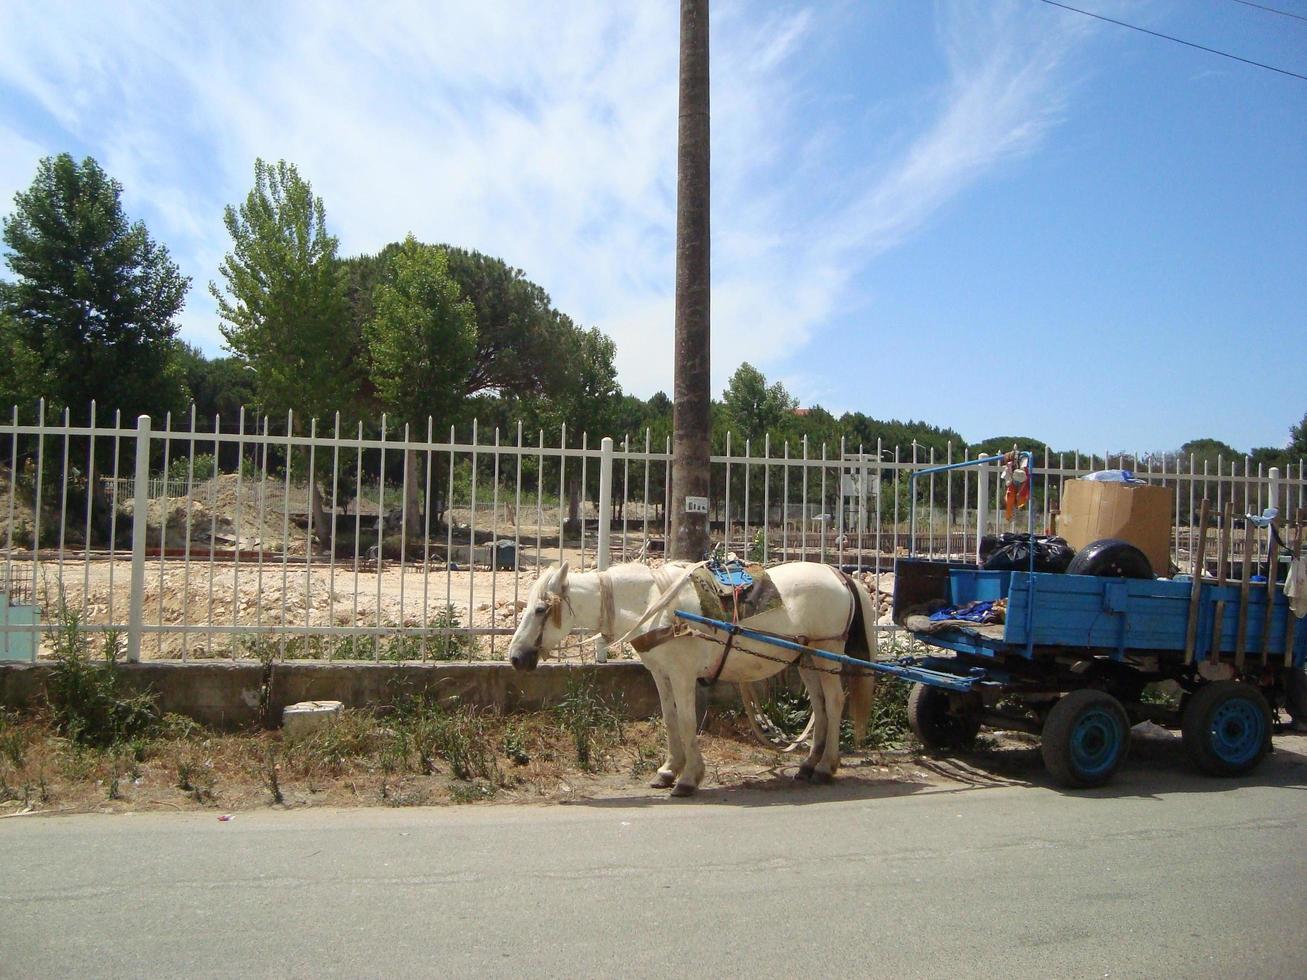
(243, 564)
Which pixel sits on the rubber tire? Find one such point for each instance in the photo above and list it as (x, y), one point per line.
(1227, 728)
(935, 727)
(1086, 737)
(1111, 558)
(1295, 694)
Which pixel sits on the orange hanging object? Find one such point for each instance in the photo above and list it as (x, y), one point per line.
(1016, 473)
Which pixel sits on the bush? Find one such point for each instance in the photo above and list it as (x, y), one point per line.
(589, 718)
(205, 467)
(458, 735)
(86, 700)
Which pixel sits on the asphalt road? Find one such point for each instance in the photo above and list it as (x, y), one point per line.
(1163, 874)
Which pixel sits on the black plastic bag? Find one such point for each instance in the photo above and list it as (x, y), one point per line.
(1011, 553)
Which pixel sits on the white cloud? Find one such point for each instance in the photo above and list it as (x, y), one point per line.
(542, 134)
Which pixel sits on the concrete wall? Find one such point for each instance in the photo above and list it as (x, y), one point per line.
(238, 694)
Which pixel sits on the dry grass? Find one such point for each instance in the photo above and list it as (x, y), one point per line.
(422, 754)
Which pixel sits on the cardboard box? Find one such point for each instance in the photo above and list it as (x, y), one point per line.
(1141, 515)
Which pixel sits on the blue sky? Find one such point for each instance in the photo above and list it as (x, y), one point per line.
(1002, 217)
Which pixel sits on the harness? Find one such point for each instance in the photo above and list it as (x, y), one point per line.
(665, 634)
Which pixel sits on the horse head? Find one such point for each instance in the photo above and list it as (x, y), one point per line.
(546, 619)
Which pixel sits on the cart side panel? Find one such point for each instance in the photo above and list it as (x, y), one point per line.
(1086, 611)
(1137, 614)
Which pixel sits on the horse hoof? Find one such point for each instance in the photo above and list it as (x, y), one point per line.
(683, 789)
(819, 778)
(662, 780)
(804, 775)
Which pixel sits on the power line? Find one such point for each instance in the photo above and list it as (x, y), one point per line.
(1272, 10)
(1168, 37)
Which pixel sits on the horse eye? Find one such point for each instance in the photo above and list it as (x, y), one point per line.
(541, 610)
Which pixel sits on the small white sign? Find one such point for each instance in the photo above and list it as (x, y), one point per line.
(696, 505)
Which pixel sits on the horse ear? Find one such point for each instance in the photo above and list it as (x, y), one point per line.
(560, 579)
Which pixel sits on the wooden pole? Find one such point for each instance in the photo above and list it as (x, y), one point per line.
(1195, 592)
(1222, 570)
(692, 423)
(1241, 640)
(1290, 623)
(1272, 560)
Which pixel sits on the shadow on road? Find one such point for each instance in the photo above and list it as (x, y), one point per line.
(778, 789)
(1157, 766)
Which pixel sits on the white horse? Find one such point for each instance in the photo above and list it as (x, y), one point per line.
(816, 609)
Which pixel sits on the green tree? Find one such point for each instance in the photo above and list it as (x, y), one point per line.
(587, 399)
(754, 408)
(1298, 439)
(519, 333)
(284, 303)
(421, 342)
(92, 308)
(23, 378)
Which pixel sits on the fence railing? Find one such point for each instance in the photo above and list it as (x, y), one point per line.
(332, 541)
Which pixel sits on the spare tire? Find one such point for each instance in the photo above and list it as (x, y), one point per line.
(1110, 558)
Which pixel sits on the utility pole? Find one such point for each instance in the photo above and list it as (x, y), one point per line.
(692, 425)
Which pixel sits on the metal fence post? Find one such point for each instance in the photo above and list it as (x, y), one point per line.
(982, 504)
(602, 547)
(140, 514)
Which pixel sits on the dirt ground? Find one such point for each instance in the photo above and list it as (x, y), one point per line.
(363, 764)
(300, 592)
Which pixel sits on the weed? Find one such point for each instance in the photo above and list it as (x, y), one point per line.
(85, 697)
(647, 759)
(13, 740)
(197, 779)
(473, 792)
(328, 749)
(1166, 696)
(588, 718)
(513, 745)
(788, 710)
(449, 644)
(271, 778)
(174, 727)
(458, 735)
(888, 724)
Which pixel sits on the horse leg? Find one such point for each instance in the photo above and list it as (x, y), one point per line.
(812, 682)
(684, 686)
(832, 690)
(675, 763)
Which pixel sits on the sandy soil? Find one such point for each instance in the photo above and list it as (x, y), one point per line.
(297, 592)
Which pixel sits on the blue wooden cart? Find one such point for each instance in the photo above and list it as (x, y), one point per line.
(1079, 659)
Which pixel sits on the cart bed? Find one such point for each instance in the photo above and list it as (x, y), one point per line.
(1084, 611)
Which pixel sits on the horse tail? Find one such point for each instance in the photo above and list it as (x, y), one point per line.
(862, 683)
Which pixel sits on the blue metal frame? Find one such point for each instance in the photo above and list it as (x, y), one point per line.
(1030, 511)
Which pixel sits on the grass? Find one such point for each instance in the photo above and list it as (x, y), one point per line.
(96, 745)
(788, 711)
(592, 721)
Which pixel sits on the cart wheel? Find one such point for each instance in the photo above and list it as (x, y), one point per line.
(1227, 727)
(1110, 558)
(1295, 694)
(1085, 738)
(941, 723)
